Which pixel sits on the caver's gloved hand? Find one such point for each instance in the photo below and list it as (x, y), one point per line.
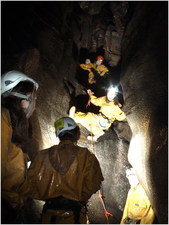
(90, 92)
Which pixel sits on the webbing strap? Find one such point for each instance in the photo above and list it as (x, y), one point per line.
(20, 95)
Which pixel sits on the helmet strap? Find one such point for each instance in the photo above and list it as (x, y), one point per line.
(31, 107)
(20, 95)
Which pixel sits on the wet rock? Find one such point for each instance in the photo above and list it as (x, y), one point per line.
(144, 74)
(48, 45)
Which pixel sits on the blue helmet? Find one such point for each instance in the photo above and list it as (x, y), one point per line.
(64, 124)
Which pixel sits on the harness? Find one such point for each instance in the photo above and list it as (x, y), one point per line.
(61, 203)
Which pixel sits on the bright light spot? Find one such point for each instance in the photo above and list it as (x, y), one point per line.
(135, 148)
(112, 92)
(28, 164)
(138, 151)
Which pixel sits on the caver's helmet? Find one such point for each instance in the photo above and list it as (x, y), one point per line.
(132, 177)
(112, 92)
(87, 61)
(100, 58)
(65, 125)
(130, 171)
(15, 83)
(10, 80)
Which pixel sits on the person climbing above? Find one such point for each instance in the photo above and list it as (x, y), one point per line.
(94, 67)
(88, 66)
(96, 124)
(65, 176)
(108, 107)
(138, 209)
(18, 92)
(101, 69)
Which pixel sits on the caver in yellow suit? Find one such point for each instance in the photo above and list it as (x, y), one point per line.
(108, 108)
(95, 124)
(14, 185)
(91, 74)
(18, 94)
(65, 176)
(137, 208)
(101, 69)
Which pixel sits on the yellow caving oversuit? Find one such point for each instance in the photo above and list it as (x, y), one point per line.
(101, 69)
(111, 110)
(137, 208)
(65, 173)
(95, 124)
(91, 74)
(14, 184)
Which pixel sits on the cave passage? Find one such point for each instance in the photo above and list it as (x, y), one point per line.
(72, 47)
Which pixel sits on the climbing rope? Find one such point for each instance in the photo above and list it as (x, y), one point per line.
(107, 214)
(88, 103)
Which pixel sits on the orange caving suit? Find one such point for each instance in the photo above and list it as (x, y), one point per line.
(94, 123)
(101, 69)
(138, 207)
(14, 184)
(65, 170)
(108, 108)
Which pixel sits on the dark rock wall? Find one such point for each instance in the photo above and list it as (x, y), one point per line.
(112, 155)
(144, 82)
(48, 40)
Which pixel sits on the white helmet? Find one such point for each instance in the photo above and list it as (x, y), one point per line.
(130, 171)
(87, 61)
(10, 79)
(64, 124)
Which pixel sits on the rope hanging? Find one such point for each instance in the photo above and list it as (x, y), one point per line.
(107, 214)
(88, 103)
